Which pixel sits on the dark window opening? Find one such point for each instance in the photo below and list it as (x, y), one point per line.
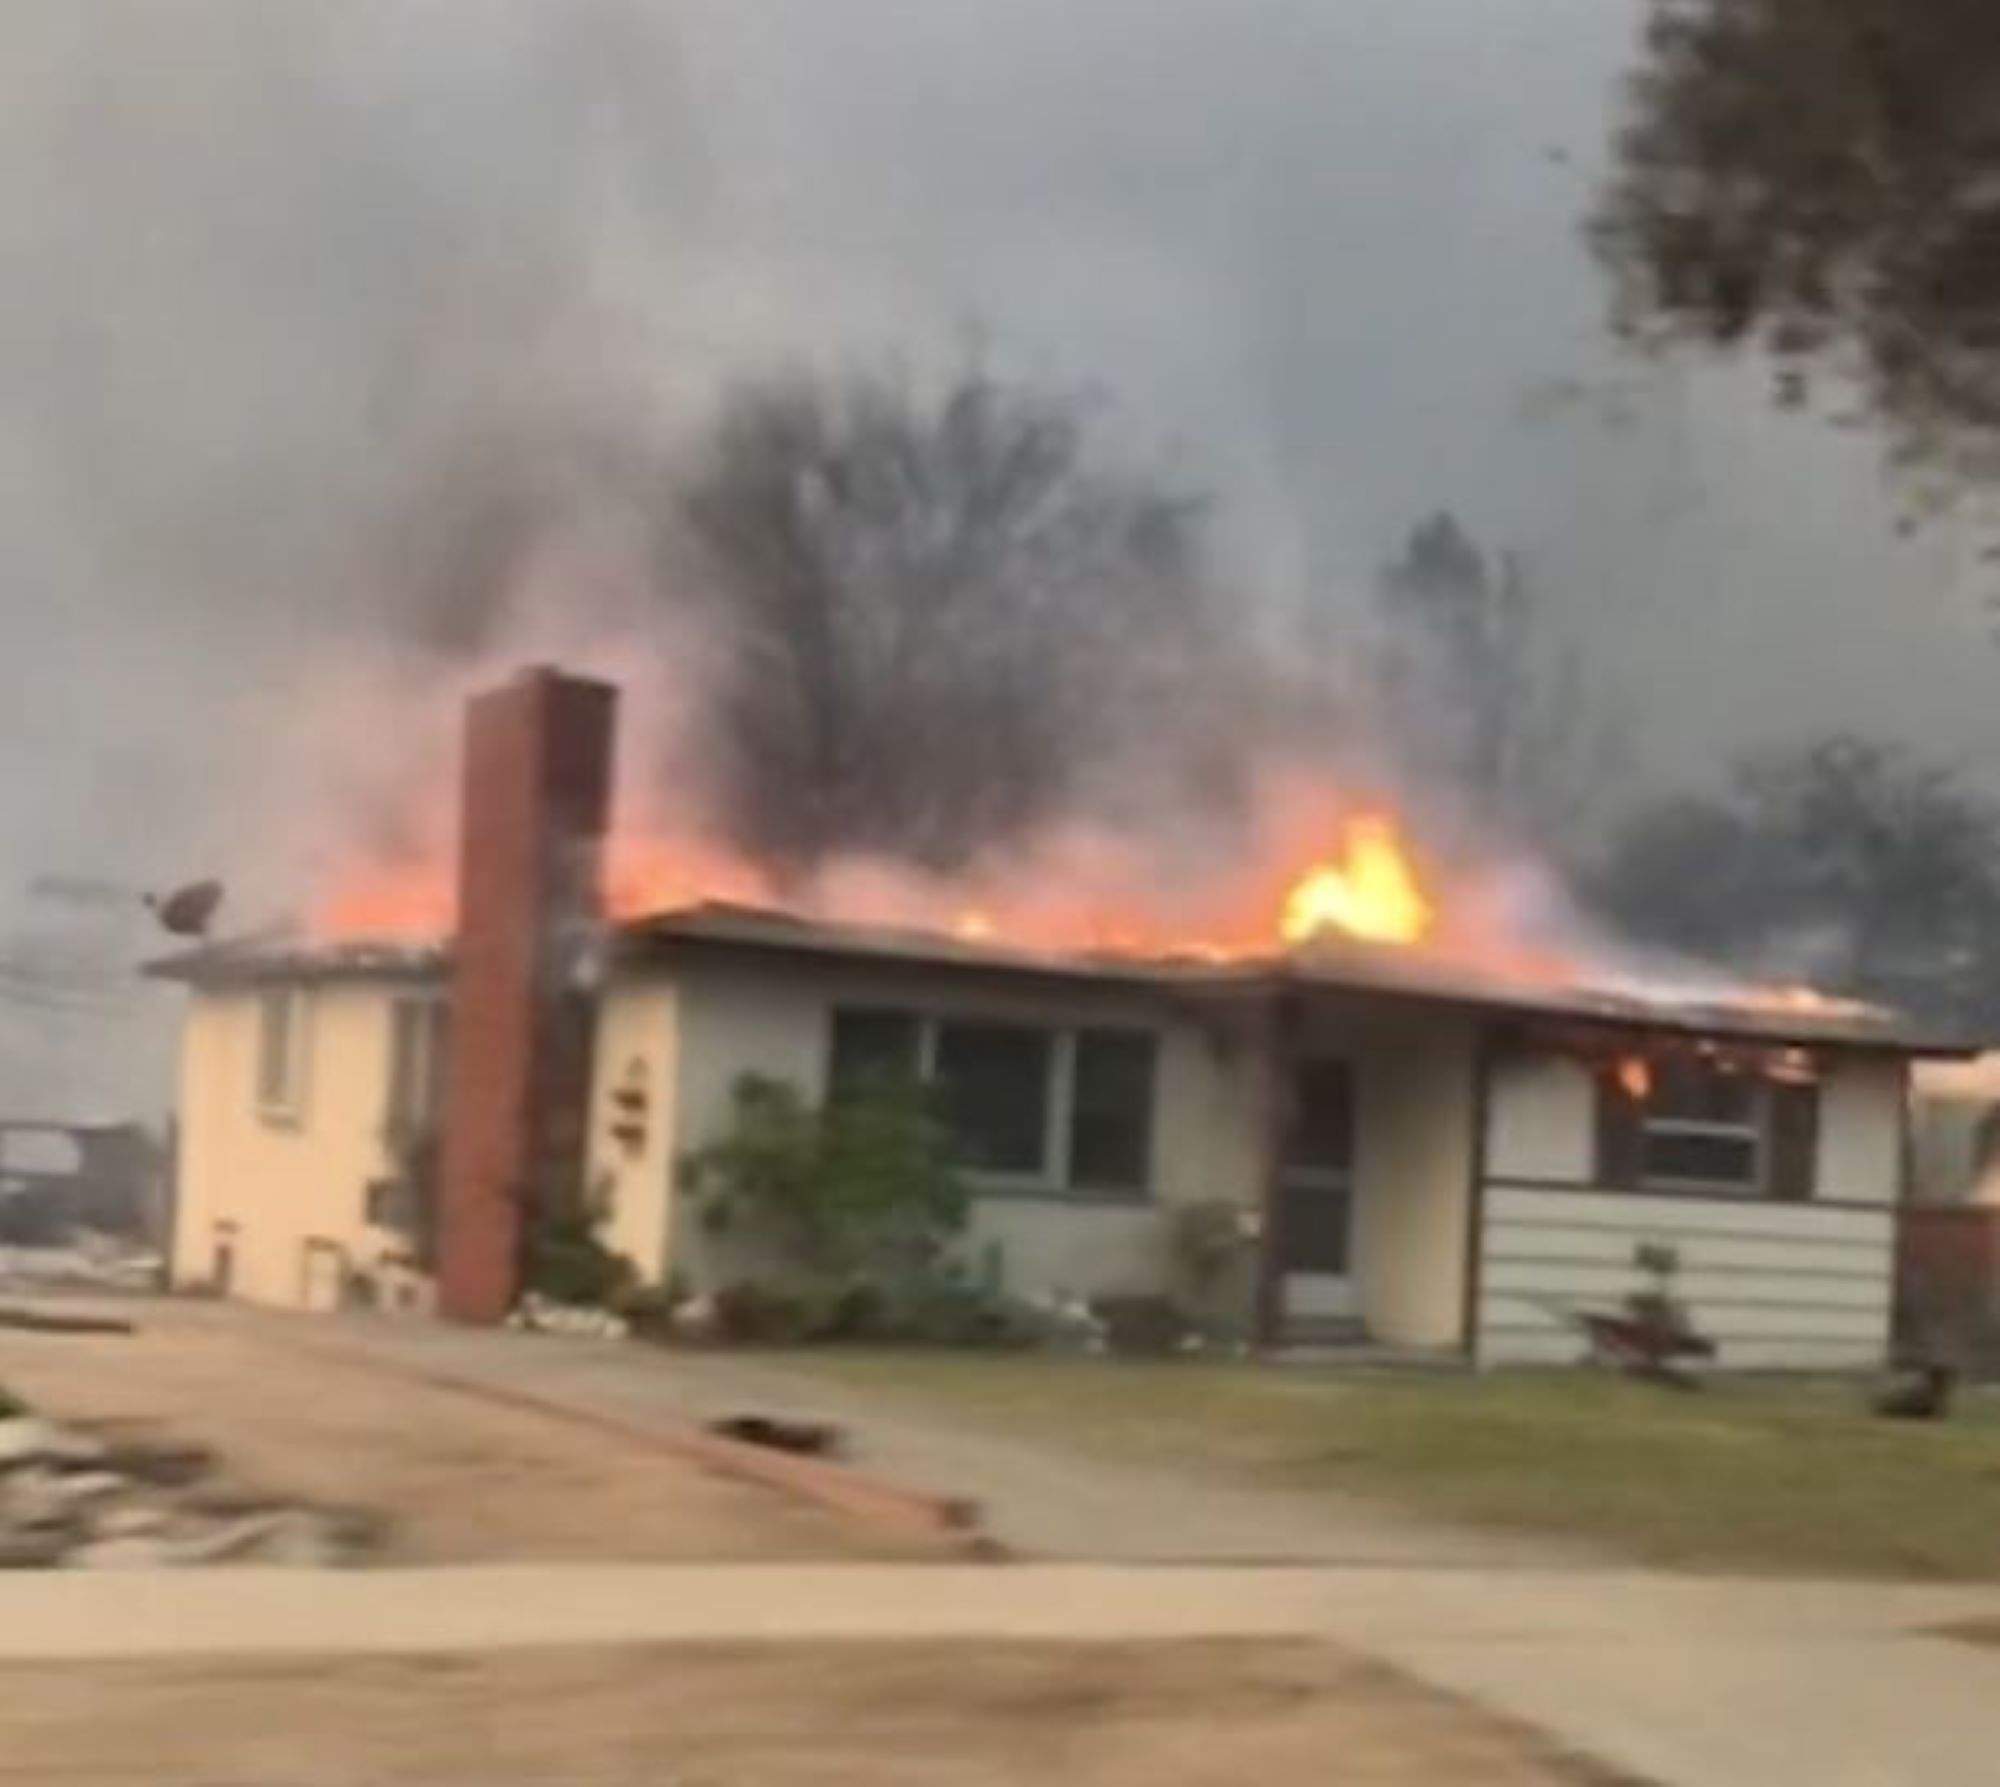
(1703, 1128)
(995, 1082)
(1322, 1126)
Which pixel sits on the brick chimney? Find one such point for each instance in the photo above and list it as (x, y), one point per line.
(536, 797)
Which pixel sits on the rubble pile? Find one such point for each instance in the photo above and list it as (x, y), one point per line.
(73, 1499)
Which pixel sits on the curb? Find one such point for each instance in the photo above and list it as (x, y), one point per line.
(839, 1487)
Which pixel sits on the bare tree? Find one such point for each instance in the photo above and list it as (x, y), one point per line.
(944, 612)
(1865, 867)
(1485, 696)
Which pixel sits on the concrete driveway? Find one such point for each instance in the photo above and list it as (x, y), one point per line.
(1036, 1501)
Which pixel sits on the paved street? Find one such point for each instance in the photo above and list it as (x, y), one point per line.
(1689, 1681)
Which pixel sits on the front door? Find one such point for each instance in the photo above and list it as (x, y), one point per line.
(1316, 1195)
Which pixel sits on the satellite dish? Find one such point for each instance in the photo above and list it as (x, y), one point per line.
(187, 911)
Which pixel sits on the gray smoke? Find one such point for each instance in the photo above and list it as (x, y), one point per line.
(344, 338)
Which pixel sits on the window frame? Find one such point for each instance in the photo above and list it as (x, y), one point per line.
(1754, 1129)
(283, 1103)
(1054, 1177)
(419, 1113)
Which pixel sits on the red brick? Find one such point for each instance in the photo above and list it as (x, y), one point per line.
(536, 797)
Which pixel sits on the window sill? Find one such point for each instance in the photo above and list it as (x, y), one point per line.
(1034, 1192)
(280, 1116)
(1712, 1194)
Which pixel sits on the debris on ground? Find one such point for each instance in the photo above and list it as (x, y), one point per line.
(812, 1439)
(1921, 1395)
(73, 1499)
(538, 1314)
(43, 1321)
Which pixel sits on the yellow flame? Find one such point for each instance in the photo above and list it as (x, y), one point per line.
(1371, 892)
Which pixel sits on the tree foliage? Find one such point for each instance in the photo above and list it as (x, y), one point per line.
(941, 611)
(859, 1188)
(1822, 178)
(1863, 866)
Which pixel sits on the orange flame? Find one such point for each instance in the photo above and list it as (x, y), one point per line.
(1635, 1074)
(1371, 892)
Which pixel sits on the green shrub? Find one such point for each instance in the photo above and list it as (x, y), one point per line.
(564, 1257)
(859, 1189)
(1209, 1253)
(649, 1309)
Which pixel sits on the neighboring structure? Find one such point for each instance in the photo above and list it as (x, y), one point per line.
(57, 1178)
(1950, 1268)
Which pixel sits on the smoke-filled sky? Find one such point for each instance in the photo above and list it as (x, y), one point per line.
(292, 293)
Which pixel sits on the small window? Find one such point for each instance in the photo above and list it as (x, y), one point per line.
(1111, 1112)
(995, 1081)
(416, 1066)
(873, 1047)
(1704, 1128)
(391, 1204)
(280, 1050)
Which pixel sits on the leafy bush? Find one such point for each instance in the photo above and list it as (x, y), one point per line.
(565, 1258)
(945, 1309)
(859, 1189)
(10, 1404)
(649, 1309)
(1209, 1249)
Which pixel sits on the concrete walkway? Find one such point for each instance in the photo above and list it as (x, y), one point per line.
(1038, 1501)
(1691, 1683)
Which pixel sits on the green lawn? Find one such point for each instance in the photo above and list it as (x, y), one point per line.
(1793, 1478)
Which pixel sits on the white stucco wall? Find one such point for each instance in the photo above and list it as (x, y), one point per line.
(1416, 1179)
(1542, 1121)
(1413, 1087)
(1777, 1285)
(741, 1014)
(635, 1082)
(285, 1181)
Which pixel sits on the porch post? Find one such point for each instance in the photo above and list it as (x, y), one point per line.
(1280, 1038)
(1483, 1049)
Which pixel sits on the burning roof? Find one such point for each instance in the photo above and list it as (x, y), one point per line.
(1325, 961)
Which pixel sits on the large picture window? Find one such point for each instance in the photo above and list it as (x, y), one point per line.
(1030, 1107)
(995, 1079)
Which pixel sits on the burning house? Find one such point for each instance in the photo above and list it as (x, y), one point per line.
(1428, 1149)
